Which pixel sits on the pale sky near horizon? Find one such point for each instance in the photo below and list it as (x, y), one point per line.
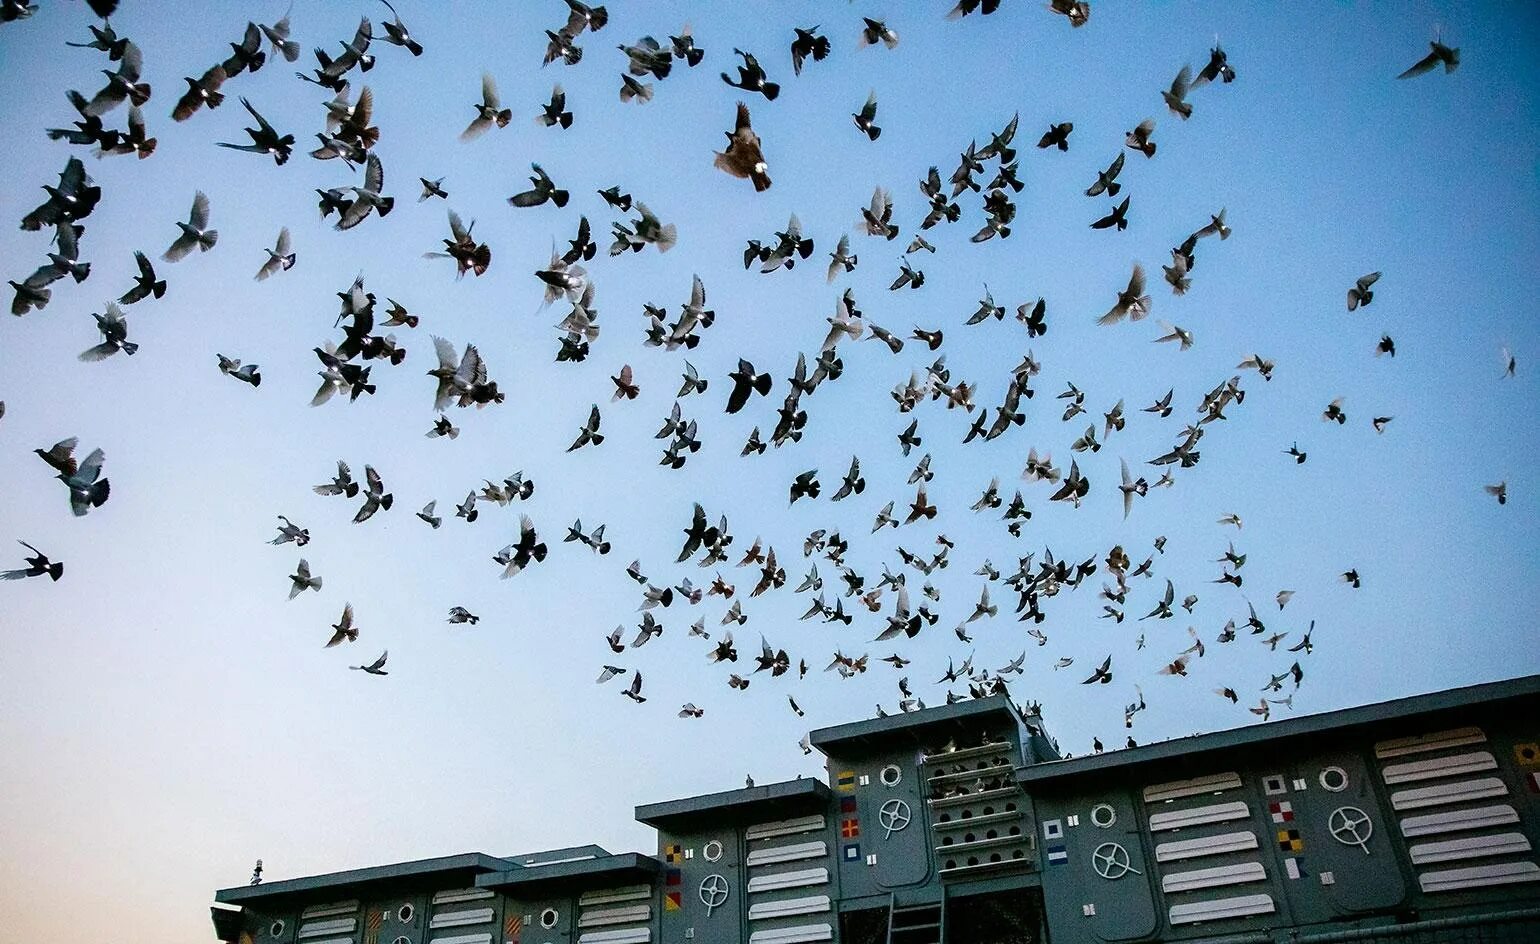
(167, 716)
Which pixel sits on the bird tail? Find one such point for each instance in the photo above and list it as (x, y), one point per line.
(771, 90)
(386, 205)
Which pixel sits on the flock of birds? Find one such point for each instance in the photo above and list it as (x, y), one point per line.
(900, 602)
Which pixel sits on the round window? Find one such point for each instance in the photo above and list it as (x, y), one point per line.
(1103, 815)
(891, 775)
(549, 917)
(402, 940)
(276, 929)
(405, 913)
(712, 851)
(1334, 779)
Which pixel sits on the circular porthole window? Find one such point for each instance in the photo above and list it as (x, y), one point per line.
(712, 851)
(549, 917)
(405, 913)
(1103, 815)
(891, 775)
(402, 940)
(1334, 779)
(276, 929)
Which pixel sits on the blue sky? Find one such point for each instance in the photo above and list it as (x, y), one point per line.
(169, 716)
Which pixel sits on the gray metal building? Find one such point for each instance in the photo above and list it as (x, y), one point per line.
(1407, 821)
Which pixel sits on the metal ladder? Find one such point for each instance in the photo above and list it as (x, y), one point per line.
(916, 924)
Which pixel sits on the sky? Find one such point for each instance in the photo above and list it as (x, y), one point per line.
(168, 716)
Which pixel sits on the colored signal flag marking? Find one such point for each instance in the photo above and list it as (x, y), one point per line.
(850, 828)
(1289, 840)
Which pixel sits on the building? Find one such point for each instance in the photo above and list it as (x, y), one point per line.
(1412, 820)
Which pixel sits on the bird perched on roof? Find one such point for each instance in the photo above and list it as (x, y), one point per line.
(743, 157)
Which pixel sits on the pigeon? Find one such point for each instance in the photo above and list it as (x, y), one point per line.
(542, 191)
(232, 367)
(866, 118)
(1076, 11)
(368, 197)
(555, 112)
(114, 329)
(743, 157)
(752, 78)
(264, 140)
(875, 31)
(1360, 294)
(397, 34)
(1132, 303)
(377, 667)
(634, 690)
(302, 581)
(278, 35)
(432, 188)
(375, 497)
(1438, 54)
(122, 85)
(201, 91)
(1498, 491)
(746, 382)
(589, 432)
(428, 517)
(195, 232)
(1057, 136)
(1117, 218)
(73, 199)
(1106, 180)
(1139, 138)
(808, 43)
(1103, 673)
(1176, 95)
(279, 259)
(1218, 68)
(87, 489)
(489, 112)
(684, 48)
(344, 629)
(37, 566)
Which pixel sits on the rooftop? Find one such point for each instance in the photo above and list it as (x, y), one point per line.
(444, 871)
(1415, 706)
(916, 728)
(750, 804)
(627, 868)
